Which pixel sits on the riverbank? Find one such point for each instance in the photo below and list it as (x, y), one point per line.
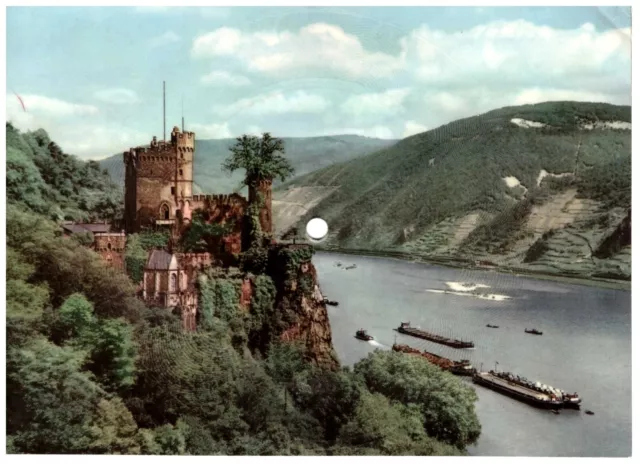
(461, 263)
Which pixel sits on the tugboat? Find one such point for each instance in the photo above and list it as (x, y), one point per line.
(462, 367)
(571, 400)
(533, 331)
(405, 328)
(330, 302)
(493, 326)
(363, 335)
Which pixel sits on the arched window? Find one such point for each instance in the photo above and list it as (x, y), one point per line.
(108, 246)
(164, 212)
(173, 282)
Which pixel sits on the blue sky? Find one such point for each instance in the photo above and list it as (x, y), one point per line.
(92, 77)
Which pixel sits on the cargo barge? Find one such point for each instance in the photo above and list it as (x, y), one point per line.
(569, 400)
(405, 328)
(462, 367)
(503, 383)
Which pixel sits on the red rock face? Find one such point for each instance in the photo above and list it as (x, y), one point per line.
(245, 295)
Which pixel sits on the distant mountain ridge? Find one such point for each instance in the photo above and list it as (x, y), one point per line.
(305, 153)
(545, 186)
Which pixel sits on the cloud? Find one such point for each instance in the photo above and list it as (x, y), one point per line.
(41, 105)
(519, 53)
(167, 38)
(413, 128)
(388, 102)
(539, 95)
(211, 131)
(315, 47)
(275, 103)
(117, 96)
(225, 79)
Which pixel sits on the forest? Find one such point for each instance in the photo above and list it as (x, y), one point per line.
(92, 370)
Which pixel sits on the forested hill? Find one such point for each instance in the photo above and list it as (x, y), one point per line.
(306, 154)
(556, 175)
(45, 180)
(91, 370)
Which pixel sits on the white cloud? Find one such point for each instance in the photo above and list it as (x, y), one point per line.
(520, 53)
(117, 96)
(53, 107)
(275, 103)
(539, 95)
(318, 46)
(388, 102)
(413, 128)
(167, 38)
(211, 131)
(223, 78)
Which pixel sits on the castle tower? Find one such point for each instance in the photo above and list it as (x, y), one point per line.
(159, 182)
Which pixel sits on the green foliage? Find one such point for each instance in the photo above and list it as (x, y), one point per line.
(497, 235)
(135, 258)
(262, 301)
(200, 236)
(396, 188)
(150, 240)
(45, 180)
(447, 405)
(219, 298)
(260, 157)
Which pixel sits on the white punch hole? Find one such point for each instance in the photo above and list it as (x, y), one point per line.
(317, 229)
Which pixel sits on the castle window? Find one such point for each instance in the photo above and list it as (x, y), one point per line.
(164, 211)
(173, 282)
(173, 190)
(108, 246)
(180, 172)
(182, 155)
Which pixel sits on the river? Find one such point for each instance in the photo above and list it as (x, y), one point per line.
(586, 346)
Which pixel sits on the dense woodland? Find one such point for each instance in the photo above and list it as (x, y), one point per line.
(90, 369)
(459, 168)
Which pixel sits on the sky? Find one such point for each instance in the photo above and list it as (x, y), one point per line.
(92, 76)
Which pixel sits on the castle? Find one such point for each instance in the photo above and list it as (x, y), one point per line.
(159, 195)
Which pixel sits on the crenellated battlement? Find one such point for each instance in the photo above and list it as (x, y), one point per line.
(220, 199)
(158, 150)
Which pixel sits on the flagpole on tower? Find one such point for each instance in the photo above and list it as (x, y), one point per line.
(182, 112)
(164, 113)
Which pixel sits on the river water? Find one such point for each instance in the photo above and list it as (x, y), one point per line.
(586, 346)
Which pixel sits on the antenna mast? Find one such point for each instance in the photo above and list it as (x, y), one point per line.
(182, 112)
(164, 114)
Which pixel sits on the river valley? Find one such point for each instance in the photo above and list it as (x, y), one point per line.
(586, 346)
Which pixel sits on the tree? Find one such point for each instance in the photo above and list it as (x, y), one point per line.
(261, 158)
(447, 404)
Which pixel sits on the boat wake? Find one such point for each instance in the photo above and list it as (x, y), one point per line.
(464, 287)
(469, 289)
(378, 344)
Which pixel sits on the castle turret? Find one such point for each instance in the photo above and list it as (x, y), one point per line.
(262, 189)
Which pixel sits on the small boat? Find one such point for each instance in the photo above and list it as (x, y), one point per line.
(591, 413)
(493, 326)
(555, 411)
(330, 302)
(363, 335)
(533, 331)
(353, 266)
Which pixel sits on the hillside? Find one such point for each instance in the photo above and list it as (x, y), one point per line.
(45, 180)
(306, 154)
(545, 187)
(90, 369)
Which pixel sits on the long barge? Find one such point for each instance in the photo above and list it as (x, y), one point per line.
(569, 400)
(504, 385)
(405, 328)
(462, 367)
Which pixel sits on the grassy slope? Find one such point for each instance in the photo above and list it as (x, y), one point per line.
(306, 154)
(396, 189)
